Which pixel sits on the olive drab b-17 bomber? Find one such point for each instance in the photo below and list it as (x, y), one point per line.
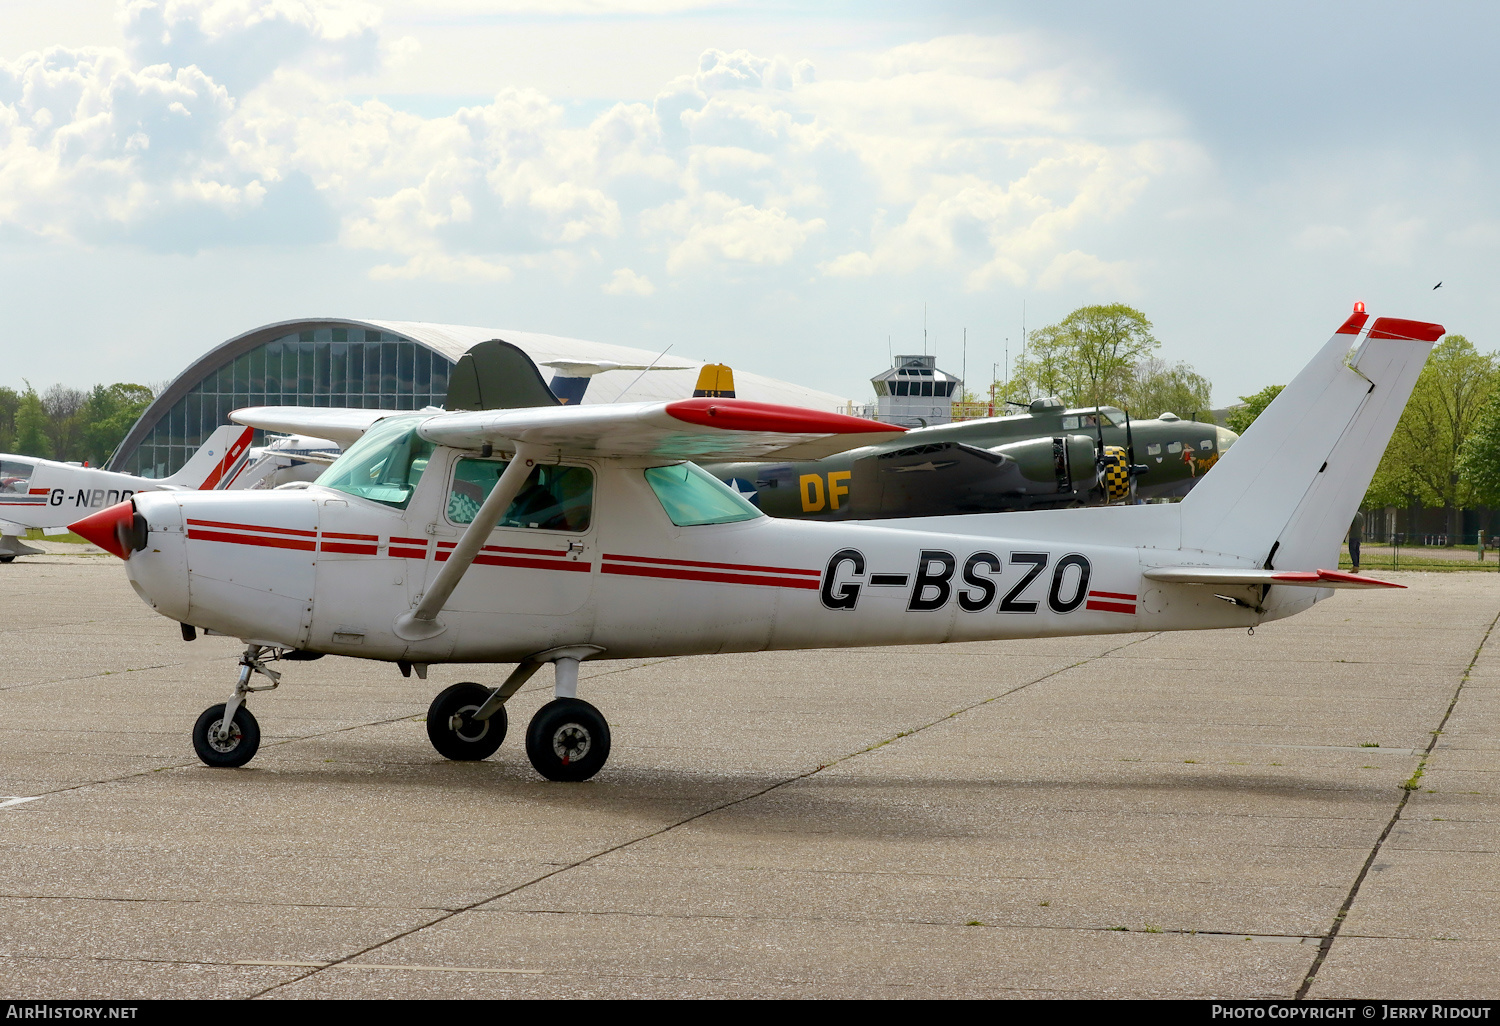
(1046, 458)
(564, 533)
(47, 495)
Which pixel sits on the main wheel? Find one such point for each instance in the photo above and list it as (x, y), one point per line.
(236, 750)
(455, 733)
(568, 739)
(7, 559)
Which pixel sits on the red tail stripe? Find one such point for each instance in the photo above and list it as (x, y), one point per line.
(699, 575)
(1111, 607)
(246, 539)
(228, 461)
(1112, 595)
(253, 527)
(716, 566)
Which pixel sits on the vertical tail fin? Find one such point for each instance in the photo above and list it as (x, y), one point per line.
(1284, 494)
(217, 460)
(715, 381)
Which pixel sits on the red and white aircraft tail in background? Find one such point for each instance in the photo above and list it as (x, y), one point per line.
(565, 533)
(38, 493)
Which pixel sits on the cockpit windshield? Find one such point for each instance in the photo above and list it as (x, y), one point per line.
(15, 476)
(385, 465)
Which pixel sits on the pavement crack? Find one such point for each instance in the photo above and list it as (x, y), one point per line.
(719, 807)
(1406, 792)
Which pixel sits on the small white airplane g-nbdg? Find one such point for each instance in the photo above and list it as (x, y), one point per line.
(565, 533)
(45, 494)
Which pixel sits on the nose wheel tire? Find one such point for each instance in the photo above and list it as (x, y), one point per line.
(453, 731)
(568, 739)
(237, 749)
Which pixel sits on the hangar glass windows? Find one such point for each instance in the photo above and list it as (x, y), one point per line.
(554, 498)
(352, 367)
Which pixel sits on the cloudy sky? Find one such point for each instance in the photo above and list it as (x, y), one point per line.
(782, 186)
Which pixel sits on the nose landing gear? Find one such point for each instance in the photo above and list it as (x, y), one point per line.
(227, 734)
(568, 739)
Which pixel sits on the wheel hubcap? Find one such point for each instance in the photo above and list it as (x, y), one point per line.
(571, 742)
(465, 728)
(224, 745)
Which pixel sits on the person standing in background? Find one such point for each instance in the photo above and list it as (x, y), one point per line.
(1356, 534)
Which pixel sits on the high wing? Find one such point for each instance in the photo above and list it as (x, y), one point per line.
(696, 429)
(336, 424)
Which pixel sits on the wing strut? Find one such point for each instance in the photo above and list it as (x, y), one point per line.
(422, 622)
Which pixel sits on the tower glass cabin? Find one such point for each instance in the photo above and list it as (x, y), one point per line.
(915, 393)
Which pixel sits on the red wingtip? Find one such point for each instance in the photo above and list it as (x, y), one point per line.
(1355, 322)
(1339, 575)
(108, 528)
(1411, 331)
(744, 415)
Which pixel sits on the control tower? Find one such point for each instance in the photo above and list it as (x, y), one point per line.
(915, 393)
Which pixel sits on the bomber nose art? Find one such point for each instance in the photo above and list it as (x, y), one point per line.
(563, 533)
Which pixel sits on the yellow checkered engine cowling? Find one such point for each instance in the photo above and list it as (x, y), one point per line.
(1116, 480)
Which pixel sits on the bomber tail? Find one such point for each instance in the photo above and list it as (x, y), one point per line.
(217, 461)
(1284, 494)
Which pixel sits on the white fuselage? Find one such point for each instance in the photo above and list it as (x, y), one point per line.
(43, 493)
(322, 570)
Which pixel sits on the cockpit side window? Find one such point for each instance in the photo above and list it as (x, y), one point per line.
(692, 497)
(385, 465)
(554, 498)
(15, 476)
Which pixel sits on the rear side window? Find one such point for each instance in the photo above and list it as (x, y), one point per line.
(693, 497)
(553, 498)
(15, 476)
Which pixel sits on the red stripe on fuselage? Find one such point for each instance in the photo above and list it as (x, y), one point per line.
(1112, 595)
(353, 550)
(716, 578)
(253, 527)
(1111, 607)
(746, 567)
(247, 539)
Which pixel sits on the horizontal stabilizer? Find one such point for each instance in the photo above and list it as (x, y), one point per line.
(689, 429)
(1221, 577)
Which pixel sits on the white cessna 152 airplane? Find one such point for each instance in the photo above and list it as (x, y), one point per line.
(565, 533)
(49, 495)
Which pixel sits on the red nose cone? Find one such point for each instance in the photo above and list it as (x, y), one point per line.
(108, 528)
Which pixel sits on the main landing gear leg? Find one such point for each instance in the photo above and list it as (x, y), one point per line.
(227, 734)
(568, 739)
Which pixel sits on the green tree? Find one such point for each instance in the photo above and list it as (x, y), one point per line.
(1156, 387)
(10, 402)
(31, 425)
(1421, 466)
(105, 417)
(1479, 459)
(1241, 417)
(64, 426)
(1088, 358)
